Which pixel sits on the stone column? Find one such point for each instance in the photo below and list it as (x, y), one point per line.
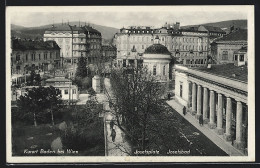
(220, 115)
(135, 60)
(239, 140)
(198, 102)
(189, 95)
(205, 105)
(194, 98)
(227, 135)
(96, 83)
(126, 62)
(212, 123)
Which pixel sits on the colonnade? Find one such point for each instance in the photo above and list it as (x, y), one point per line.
(210, 104)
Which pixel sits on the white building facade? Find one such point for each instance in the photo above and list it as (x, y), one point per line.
(222, 101)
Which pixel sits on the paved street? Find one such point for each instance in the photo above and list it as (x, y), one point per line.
(82, 99)
(214, 137)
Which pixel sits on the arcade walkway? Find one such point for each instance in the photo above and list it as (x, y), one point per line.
(213, 136)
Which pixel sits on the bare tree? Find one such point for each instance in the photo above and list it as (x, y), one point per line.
(137, 94)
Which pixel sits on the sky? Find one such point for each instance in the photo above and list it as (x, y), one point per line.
(123, 17)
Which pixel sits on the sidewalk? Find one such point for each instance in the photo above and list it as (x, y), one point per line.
(119, 147)
(213, 136)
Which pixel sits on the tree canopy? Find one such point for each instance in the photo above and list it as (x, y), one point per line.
(38, 100)
(137, 95)
(34, 79)
(82, 70)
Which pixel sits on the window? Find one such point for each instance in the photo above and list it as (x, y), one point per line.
(74, 91)
(39, 56)
(235, 58)
(187, 61)
(45, 56)
(181, 87)
(50, 55)
(18, 69)
(164, 70)
(33, 57)
(225, 55)
(154, 70)
(66, 91)
(17, 57)
(26, 57)
(241, 58)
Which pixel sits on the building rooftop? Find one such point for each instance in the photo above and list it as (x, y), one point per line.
(91, 29)
(197, 28)
(58, 79)
(66, 27)
(108, 48)
(157, 49)
(214, 29)
(238, 35)
(227, 70)
(34, 45)
(63, 27)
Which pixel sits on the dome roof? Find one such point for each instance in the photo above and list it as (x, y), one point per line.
(157, 49)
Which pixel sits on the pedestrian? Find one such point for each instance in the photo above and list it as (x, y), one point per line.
(113, 135)
(169, 96)
(184, 110)
(112, 124)
(201, 120)
(232, 139)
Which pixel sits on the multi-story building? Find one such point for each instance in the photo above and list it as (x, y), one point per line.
(219, 95)
(76, 42)
(189, 46)
(222, 49)
(39, 55)
(108, 52)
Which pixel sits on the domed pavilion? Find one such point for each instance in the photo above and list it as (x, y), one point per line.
(157, 59)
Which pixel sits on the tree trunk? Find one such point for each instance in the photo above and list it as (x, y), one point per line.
(34, 119)
(52, 118)
(144, 135)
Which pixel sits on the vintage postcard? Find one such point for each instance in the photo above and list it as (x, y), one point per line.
(130, 84)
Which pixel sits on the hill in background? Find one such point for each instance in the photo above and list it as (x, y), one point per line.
(37, 32)
(107, 32)
(226, 24)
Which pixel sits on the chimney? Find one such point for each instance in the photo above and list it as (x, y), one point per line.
(177, 25)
